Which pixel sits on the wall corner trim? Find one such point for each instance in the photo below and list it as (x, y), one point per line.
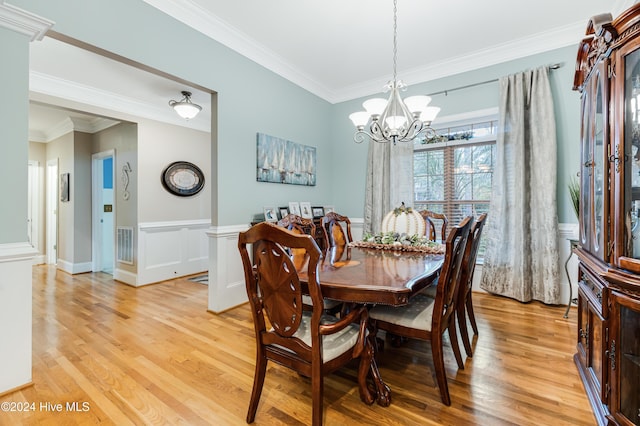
(23, 22)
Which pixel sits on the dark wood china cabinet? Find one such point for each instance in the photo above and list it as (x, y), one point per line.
(608, 336)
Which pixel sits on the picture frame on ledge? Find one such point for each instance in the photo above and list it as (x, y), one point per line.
(318, 211)
(305, 210)
(270, 214)
(294, 207)
(329, 209)
(283, 211)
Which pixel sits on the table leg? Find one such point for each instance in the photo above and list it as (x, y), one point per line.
(383, 392)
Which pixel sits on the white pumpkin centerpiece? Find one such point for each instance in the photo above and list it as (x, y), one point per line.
(404, 220)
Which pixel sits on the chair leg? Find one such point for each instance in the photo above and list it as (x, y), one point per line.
(438, 364)
(453, 336)
(317, 384)
(472, 317)
(258, 381)
(464, 331)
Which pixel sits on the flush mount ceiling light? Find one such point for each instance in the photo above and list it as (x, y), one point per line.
(394, 120)
(185, 108)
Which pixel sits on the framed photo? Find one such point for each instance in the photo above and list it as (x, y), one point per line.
(283, 212)
(317, 211)
(305, 210)
(270, 214)
(294, 207)
(329, 209)
(64, 187)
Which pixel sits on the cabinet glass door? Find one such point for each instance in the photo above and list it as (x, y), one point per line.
(585, 172)
(625, 347)
(600, 174)
(632, 150)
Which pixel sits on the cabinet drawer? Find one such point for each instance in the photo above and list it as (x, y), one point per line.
(594, 290)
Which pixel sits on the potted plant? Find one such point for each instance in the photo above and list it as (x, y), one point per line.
(574, 193)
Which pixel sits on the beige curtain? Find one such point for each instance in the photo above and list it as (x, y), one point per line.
(521, 257)
(389, 181)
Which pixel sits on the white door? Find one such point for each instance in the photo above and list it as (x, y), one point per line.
(52, 211)
(103, 245)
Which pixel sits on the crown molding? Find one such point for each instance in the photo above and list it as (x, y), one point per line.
(86, 95)
(213, 27)
(567, 35)
(23, 22)
(71, 124)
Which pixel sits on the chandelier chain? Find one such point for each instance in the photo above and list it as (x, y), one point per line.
(395, 39)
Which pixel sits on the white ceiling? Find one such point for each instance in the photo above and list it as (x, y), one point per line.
(337, 49)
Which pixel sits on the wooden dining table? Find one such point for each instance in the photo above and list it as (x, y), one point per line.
(374, 276)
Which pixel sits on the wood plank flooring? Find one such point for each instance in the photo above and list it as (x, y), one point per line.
(154, 355)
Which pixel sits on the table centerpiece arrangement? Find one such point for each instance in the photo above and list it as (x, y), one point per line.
(398, 242)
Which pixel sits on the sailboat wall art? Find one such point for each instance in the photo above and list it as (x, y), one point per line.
(283, 161)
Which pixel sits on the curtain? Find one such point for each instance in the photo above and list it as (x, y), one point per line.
(389, 181)
(521, 257)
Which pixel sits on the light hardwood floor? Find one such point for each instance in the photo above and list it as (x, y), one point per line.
(154, 355)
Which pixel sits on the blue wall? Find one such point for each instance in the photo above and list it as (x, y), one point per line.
(14, 112)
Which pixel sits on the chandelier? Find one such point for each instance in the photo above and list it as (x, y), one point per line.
(394, 120)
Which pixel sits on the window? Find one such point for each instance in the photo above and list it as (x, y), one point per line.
(453, 171)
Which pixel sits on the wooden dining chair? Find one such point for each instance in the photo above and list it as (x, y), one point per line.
(312, 343)
(432, 219)
(428, 318)
(301, 225)
(298, 224)
(334, 232)
(465, 303)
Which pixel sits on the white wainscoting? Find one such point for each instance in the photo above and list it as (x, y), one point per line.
(168, 250)
(15, 314)
(226, 275)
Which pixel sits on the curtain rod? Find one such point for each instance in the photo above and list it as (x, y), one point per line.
(446, 92)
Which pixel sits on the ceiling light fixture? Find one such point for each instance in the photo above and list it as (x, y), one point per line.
(185, 108)
(395, 120)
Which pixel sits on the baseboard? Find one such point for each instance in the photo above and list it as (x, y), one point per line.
(74, 268)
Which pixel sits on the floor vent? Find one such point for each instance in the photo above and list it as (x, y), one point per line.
(125, 244)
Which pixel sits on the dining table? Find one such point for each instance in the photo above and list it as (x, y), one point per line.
(370, 276)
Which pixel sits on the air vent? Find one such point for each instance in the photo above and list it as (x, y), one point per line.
(125, 244)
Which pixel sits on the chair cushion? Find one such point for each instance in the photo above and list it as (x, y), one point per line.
(328, 303)
(333, 345)
(417, 314)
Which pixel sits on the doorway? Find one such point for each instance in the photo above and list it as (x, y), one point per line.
(103, 207)
(52, 211)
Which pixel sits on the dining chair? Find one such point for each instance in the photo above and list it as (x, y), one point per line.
(334, 233)
(428, 318)
(311, 343)
(432, 218)
(465, 303)
(301, 225)
(298, 224)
